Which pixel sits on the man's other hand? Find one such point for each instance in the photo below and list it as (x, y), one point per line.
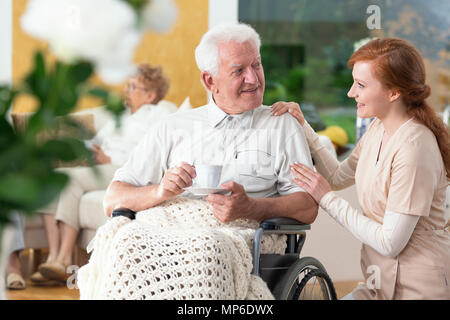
(235, 206)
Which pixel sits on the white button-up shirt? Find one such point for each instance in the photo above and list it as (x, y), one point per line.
(255, 149)
(118, 143)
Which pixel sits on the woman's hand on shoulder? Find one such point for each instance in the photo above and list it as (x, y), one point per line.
(278, 108)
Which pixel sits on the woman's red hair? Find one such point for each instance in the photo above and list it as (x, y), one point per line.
(398, 65)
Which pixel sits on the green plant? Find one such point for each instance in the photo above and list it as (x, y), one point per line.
(28, 180)
(345, 120)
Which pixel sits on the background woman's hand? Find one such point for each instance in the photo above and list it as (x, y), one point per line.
(293, 108)
(99, 156)
(311, 181)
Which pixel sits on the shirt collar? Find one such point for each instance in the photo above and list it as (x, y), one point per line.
(127, 111)
(217, 115)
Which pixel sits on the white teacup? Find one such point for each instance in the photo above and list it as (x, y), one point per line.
(208, 175)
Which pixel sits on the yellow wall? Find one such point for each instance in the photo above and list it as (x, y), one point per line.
(174, 51)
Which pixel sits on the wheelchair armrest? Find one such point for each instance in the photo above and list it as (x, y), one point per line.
(280, 225)
(284, 224)
(128, 213)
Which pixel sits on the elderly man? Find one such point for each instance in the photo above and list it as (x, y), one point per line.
(111, 148)
(234, 130)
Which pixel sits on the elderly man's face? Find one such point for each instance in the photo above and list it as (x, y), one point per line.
(239, 84)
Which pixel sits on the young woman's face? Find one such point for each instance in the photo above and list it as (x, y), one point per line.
(371, 97)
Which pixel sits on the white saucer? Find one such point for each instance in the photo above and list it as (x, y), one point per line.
(206, 191)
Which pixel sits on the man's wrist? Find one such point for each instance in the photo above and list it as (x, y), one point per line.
(155, 195)
(258, 209)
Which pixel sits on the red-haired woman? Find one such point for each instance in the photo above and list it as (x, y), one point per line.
(401, 168)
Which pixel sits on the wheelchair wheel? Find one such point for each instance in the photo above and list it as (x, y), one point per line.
(306, 279)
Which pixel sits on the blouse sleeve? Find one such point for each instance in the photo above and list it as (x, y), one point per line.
(339, 175)
(414, 178)
(388, 238)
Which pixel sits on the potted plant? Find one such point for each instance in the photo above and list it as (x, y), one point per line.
(83, 42)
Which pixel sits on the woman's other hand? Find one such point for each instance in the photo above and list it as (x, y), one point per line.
(311, 181)
(293, 108)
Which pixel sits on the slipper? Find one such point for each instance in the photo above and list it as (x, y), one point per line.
(37, 279)
(54, 270)
(15, 281)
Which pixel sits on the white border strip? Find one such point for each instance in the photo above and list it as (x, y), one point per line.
(6, 46)
(222, 11)
(5, 41)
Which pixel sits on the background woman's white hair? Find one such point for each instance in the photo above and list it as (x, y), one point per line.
(207, 52)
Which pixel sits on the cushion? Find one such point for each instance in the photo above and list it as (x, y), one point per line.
(34, 221)
(168, 105)
(91, 211)
(185, 105)
(101, 116)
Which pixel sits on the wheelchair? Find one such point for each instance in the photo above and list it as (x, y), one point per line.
(288, 276)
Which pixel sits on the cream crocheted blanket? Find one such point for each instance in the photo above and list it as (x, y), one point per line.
(177, 250)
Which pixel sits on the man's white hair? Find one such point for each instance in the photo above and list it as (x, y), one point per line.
(207, 52)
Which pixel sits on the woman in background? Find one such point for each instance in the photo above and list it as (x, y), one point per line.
(401, 168)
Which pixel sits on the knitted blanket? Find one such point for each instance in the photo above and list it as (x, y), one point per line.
(177, 250)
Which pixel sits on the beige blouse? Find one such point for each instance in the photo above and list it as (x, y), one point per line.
(410, 178)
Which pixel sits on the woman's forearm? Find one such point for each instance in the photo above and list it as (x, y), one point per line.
(388, 238)
(339, 175)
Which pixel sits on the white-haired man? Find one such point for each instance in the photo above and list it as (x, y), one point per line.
(233, 130)
(111, 147)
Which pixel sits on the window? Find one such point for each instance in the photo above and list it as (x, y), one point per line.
(306, 45)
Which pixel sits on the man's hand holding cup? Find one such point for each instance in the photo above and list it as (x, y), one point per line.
(175, 180)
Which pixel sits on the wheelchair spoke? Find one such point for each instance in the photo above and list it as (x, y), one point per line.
(324, 289)
(313, 285)
(307, 279)
(304, 293)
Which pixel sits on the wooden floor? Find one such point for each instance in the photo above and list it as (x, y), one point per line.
(43, 293)
(63, 293)
(31, 258)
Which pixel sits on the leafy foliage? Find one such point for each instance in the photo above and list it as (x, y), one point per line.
(28, 180)
(137, 5)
